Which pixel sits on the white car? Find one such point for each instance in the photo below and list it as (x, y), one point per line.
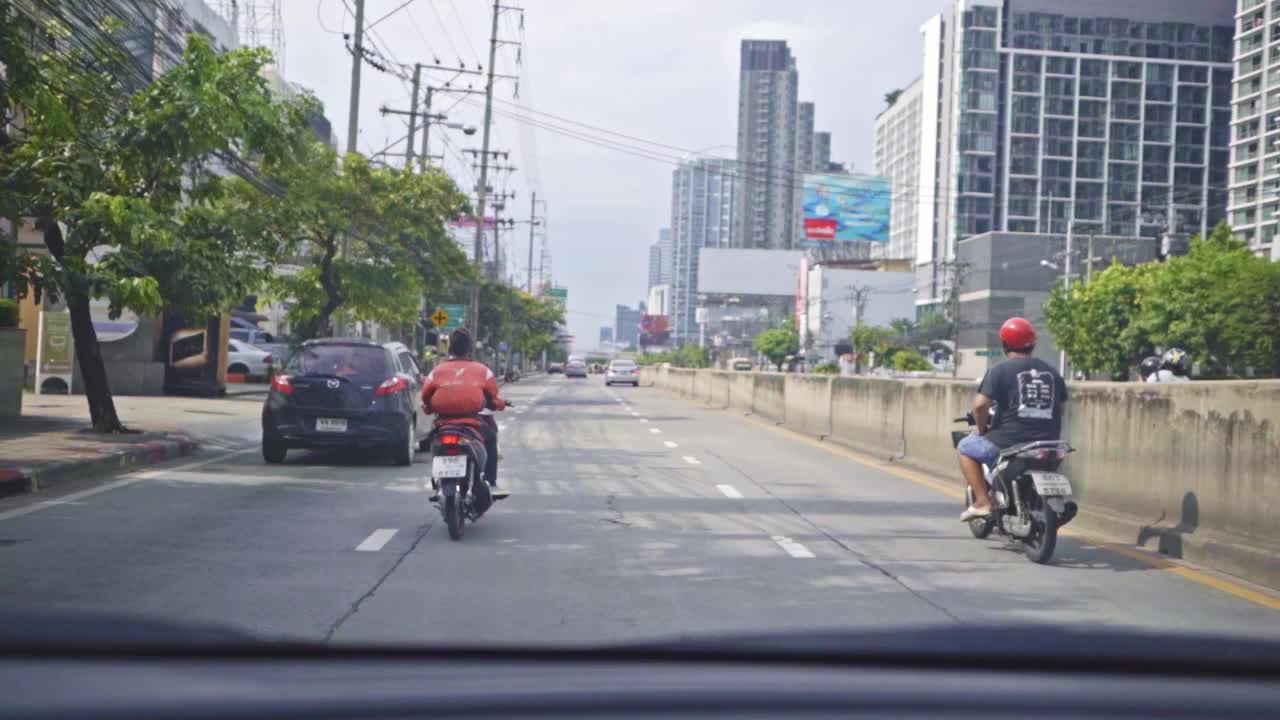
(623, 372)
(248, 360)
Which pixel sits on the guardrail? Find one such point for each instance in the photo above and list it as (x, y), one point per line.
(1191, 470)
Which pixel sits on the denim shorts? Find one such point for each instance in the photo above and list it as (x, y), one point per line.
(979, 448)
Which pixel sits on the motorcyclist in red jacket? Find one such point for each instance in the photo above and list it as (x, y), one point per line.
(462, 391)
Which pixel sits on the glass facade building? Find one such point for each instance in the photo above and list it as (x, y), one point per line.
(767, 132)
(897, 157)
(1255, 133)
(703, 193)
(1112, 116)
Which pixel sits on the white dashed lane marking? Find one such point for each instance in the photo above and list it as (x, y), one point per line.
(730, 491)
(692, 460)
(376, 540)
(644, 420)
(793, 548)
(670, 444)
(655, 431)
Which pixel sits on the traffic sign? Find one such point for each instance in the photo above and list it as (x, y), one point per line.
(989, 353)
(439, 317)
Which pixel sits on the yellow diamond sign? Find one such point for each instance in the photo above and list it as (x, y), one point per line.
(439, 317)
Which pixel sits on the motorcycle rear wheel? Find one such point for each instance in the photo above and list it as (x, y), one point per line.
(980, 527)
(1039, 545)
(454, 515)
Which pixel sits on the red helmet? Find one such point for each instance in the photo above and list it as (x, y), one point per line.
(1017, 334)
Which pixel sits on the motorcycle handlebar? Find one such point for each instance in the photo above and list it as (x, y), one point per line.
(967, 418)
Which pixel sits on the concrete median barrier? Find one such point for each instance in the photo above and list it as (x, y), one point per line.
(1192, 471)
(742, 390)
(808, 403)
(769, 396)
(867, 414)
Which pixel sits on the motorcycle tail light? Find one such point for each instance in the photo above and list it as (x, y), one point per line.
(449, 439)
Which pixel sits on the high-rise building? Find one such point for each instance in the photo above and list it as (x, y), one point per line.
(606, 335)
(897, 157)
(626, 325)
(766, 214)
(660, 259)
(703, 193)
(1114, 117)
(804, 138)
(822, 151)
(1254, 206)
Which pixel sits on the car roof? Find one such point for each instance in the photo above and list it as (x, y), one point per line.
(342, 341)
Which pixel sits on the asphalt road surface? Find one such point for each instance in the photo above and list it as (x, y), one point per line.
(635, 515)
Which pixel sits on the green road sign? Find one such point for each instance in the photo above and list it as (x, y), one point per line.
(989, 353)
(455, 316)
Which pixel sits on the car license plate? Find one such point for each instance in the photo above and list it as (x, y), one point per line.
(449, 466)
(331, 424)
(1051, 484)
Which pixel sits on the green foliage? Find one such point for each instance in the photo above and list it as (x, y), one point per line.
(124, 184)
(778, 343)
(373, 240)
(691, 356)
(1219, 302)
(891, 97)
(827, 368)
(8, 313)
(906, 360)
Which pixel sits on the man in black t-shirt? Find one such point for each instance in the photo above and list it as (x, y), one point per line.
(1027, 396)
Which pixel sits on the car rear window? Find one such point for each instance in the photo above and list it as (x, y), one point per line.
(359, 363)
(624, 365)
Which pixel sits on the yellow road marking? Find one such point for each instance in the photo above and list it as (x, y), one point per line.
(1159, 562)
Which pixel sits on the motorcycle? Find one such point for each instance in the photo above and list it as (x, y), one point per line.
(1030, 499)
(457, 476)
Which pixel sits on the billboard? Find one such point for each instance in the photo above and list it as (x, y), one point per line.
(844, 208)
(655, 330)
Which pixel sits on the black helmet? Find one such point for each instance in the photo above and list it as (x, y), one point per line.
(1176, 361)
(1149, 365)
(460, 343)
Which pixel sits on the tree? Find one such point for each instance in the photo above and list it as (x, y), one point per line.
(1096, 324)
(95, 165)
(374, 239)
(866, 339)
(906, 360)
(1219, 302)
(891, 97)
(776, 344)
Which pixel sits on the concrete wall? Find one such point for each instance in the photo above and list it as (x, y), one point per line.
(1190, 470)
(769, 400)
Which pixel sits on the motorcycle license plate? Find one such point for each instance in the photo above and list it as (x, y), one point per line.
(1051, 484)
(449, 466)
(331, 424)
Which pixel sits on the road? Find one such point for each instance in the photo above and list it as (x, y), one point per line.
(634, 515)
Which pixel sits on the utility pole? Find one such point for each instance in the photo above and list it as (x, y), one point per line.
(357, 59)
(413, 119)
(473, 315)
(533, 221)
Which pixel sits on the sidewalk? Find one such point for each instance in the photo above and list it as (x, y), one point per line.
(51, 443)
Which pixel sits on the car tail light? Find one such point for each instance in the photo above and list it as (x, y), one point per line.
(450, 439)
(390, 386)
(281, 384)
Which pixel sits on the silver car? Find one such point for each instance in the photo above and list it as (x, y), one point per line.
(622, 372)
(575, 368)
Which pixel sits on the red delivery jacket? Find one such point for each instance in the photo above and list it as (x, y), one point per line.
(456, 390)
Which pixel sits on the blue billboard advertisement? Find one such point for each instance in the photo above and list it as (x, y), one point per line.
(845, 208)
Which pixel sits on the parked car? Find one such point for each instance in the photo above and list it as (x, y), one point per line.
(623, 372)
(553, 368)
(345, 393)
(575, 368)
(741, 364)
(247, 360)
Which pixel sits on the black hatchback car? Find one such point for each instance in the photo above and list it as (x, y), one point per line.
(351, 393)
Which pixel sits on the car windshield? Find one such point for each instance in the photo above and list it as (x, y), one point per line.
(359, 363)
(728, 276)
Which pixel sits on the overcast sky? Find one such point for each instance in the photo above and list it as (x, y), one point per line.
(661, 71)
